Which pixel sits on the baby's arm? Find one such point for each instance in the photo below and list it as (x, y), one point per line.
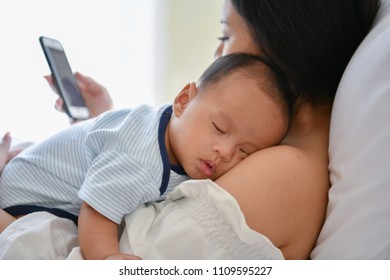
(98, 236)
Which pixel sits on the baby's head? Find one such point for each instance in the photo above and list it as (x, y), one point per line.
(237, 107)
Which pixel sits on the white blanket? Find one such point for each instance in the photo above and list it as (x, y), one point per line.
(199, 220)
(38, 236)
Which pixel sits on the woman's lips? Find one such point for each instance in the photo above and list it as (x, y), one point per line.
(207, 168)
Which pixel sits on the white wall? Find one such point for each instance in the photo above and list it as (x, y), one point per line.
(188, 37)
(142, 51)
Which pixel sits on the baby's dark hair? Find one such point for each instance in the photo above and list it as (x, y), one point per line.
(269, 80)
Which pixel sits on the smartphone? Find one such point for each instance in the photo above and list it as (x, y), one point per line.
(64, 80)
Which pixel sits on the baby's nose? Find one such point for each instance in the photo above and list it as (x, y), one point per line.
(225, 152)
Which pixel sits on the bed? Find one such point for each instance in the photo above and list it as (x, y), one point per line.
(357, 221)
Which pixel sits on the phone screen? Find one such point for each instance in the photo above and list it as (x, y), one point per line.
(67, 79)
(74, 104)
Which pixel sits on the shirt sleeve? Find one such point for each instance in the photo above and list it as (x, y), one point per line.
(116, 184)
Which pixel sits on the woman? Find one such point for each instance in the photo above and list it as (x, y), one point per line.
(312, 42)
(282, 191)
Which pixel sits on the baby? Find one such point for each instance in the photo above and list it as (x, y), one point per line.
(97, 171)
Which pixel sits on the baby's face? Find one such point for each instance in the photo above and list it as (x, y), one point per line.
(223, 125)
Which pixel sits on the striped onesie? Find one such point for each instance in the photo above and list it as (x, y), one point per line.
(114, 163)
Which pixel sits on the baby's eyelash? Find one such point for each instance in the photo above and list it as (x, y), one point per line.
(244, 152)
(218, 129)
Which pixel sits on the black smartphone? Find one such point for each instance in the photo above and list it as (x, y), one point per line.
(64, 79)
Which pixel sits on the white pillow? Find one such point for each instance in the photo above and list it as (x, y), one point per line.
(357, 225)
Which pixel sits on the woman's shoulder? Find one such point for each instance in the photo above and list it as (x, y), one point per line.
(282, 193)
(292, 161)
(284, 161)
(284, 153)
(280, 167)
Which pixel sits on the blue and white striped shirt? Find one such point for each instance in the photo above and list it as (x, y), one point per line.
(113, 163)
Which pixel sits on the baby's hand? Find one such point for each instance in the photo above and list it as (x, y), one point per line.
(123, 257)
(4, 150)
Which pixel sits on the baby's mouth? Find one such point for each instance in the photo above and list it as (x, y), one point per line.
(207, 168)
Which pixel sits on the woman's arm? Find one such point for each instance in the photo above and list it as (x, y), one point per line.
(98, 236)
(283, 194)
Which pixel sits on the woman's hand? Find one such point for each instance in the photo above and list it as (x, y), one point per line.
(96, 96)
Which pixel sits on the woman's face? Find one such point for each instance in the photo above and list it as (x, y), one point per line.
(236, 36)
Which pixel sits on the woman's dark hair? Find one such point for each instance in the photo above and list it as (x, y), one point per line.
(311, 41)
(268, 78)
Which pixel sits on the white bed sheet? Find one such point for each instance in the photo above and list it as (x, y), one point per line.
(199, 220)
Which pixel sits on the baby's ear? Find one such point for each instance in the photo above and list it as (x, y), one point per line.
(183, 98)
